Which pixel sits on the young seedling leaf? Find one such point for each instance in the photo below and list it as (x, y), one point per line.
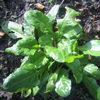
(53, 12)
(63, 86)
(92, 71)
(92, 86)
(23, 78)
(70, 58)
(26, 46)
(13, 29)
(39, 20)
(92, 48)
(76, 69)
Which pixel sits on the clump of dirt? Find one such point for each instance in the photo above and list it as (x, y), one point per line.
(13, 10)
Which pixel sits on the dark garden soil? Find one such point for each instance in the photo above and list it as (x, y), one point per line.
(14, 10)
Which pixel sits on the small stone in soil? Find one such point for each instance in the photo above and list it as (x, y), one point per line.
(39, 6)
(2, 33)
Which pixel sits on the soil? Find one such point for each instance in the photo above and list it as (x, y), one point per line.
(14, 10)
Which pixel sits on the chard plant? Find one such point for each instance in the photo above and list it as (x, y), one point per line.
(51, 55)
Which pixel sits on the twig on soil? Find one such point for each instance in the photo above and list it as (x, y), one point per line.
(2, 51)
(62, 2)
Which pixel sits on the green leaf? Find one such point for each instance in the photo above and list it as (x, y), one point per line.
(51, 82)
(57, 36)
(13, 29)
(92, 48)
(55, 53)
(98, 93)
(42, 82)
(92, 70)
(76, 69)
(38, 60)
(28, 29)
(59, 54)
(39, 20)
(53, 12)
(66, 45)
(35, 90)
(72, 12)
(26, 46)
(92, 86)
(72, 57)
(28, 92)
(50, 1)
(84, 60)
(45, 40)
(63, 86)
(67, 26)
(23, 78)
(72, 32)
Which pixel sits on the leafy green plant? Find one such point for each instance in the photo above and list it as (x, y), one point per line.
(50, 56)
(50, 1)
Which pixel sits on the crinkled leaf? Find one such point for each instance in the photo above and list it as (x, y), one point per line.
(23, 78)
(64, 47)
(55, 53)
(13, 29)
(51, 82)
(39, 20)
(92, 86)
(28, 29)
(67, 46)
(53, 12)
(67, 26)
(92, 48)
(26, 46)
(28, 92)
(38, 60)
(76, 69)
(45, 40)
(91, 70)
(63, 86)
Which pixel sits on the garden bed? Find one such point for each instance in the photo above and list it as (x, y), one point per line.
(14, 11)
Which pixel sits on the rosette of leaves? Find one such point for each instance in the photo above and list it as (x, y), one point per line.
(49, 55)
